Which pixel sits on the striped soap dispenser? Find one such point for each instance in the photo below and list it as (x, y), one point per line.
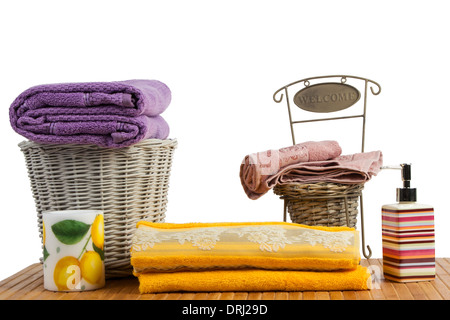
(408, 235)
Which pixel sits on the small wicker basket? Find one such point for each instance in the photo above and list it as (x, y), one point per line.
(128, 184)
(321, 204)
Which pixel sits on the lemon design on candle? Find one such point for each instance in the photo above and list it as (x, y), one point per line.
(45, 252)
(98, 232)
(64, 274)
(89, 264)
(91, 267)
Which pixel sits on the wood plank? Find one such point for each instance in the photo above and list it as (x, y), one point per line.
(173, 296)
(349, 295)
(150, 296)
(20, 277)
(441, 287)
(430, 290)
(129, 291)
(309, 295)
(161, 296)
(363, 295)
(402, 291)
(268, 295)
(28, 284)
(214, 296)
(281, 295)
(227, 296)
(386, 287)
(240, 296)
(322, 295)
(201, 296)
(187, 296)
(336, 295)
(254, 295)
(377, 277)
(442, 281)
(31, 269)
(416, 291)
(21, 282)
(297, 295)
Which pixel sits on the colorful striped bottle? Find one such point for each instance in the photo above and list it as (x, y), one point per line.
(408, 236)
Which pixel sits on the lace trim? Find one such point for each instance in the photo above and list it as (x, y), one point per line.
(269, 238)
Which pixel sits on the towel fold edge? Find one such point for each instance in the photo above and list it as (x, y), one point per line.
(168, 225)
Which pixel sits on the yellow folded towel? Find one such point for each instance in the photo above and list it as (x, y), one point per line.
(169, 247)
(255, 280)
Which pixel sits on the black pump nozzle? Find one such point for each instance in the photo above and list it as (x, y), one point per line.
(406, 193)
(406, 175)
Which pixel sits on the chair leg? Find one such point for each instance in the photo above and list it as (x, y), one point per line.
(363, 240)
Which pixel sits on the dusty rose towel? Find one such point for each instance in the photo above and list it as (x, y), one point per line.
(257, 168)
(346, 169)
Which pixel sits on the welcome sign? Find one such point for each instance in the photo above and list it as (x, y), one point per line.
(326, 97)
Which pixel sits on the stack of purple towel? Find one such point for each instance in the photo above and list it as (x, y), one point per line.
(108, 114)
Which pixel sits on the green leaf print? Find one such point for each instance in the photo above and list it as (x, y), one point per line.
(70, 231)
(46, 254)
(100, 252)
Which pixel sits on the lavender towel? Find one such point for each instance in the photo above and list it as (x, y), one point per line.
(108, 114)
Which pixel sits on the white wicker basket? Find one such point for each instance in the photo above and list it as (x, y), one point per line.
(128, 184)
(321, 204)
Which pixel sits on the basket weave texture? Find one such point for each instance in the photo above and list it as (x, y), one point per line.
(321, 204)
(128, 184)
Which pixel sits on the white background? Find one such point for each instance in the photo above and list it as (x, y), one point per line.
(223, 60)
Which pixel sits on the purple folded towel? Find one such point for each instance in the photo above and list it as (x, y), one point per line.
(108, 114)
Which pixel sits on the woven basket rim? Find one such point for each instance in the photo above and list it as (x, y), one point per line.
(318, 189)
(147, 143)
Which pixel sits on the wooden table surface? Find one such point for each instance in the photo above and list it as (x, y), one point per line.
(27, 284)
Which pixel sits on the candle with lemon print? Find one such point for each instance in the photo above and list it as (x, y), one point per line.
(73, 250)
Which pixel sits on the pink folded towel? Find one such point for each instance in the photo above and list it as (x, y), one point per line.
(258, 168)
(348, 169)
